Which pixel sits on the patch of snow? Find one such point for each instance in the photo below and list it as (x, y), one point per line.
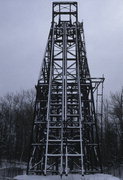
(69, 177)
(8, 164)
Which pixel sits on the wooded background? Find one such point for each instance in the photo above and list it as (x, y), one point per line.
(16, 118)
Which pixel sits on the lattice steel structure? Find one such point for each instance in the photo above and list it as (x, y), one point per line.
(64, 136)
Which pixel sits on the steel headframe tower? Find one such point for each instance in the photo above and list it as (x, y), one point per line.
(64, 135)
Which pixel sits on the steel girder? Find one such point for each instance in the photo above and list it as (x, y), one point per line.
(64, 136)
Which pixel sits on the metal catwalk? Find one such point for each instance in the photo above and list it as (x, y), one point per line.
(64, 136)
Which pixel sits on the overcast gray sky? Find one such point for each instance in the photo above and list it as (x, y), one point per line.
(24, 27)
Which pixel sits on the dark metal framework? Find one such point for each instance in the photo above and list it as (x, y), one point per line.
(64, 137)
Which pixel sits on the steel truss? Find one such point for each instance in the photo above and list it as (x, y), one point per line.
(64, 137)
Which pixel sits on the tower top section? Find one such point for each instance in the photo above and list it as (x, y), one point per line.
(64, 11)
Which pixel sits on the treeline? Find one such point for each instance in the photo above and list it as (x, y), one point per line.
(112, 133)
(16, 117)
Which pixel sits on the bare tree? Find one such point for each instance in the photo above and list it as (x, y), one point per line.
(112, 147)
(16, 111)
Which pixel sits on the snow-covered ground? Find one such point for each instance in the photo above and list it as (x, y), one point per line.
(69, 177)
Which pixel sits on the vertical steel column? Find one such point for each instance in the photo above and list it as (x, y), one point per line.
(49, 97)
(65, 89)
(80, 105)
(63, 96)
